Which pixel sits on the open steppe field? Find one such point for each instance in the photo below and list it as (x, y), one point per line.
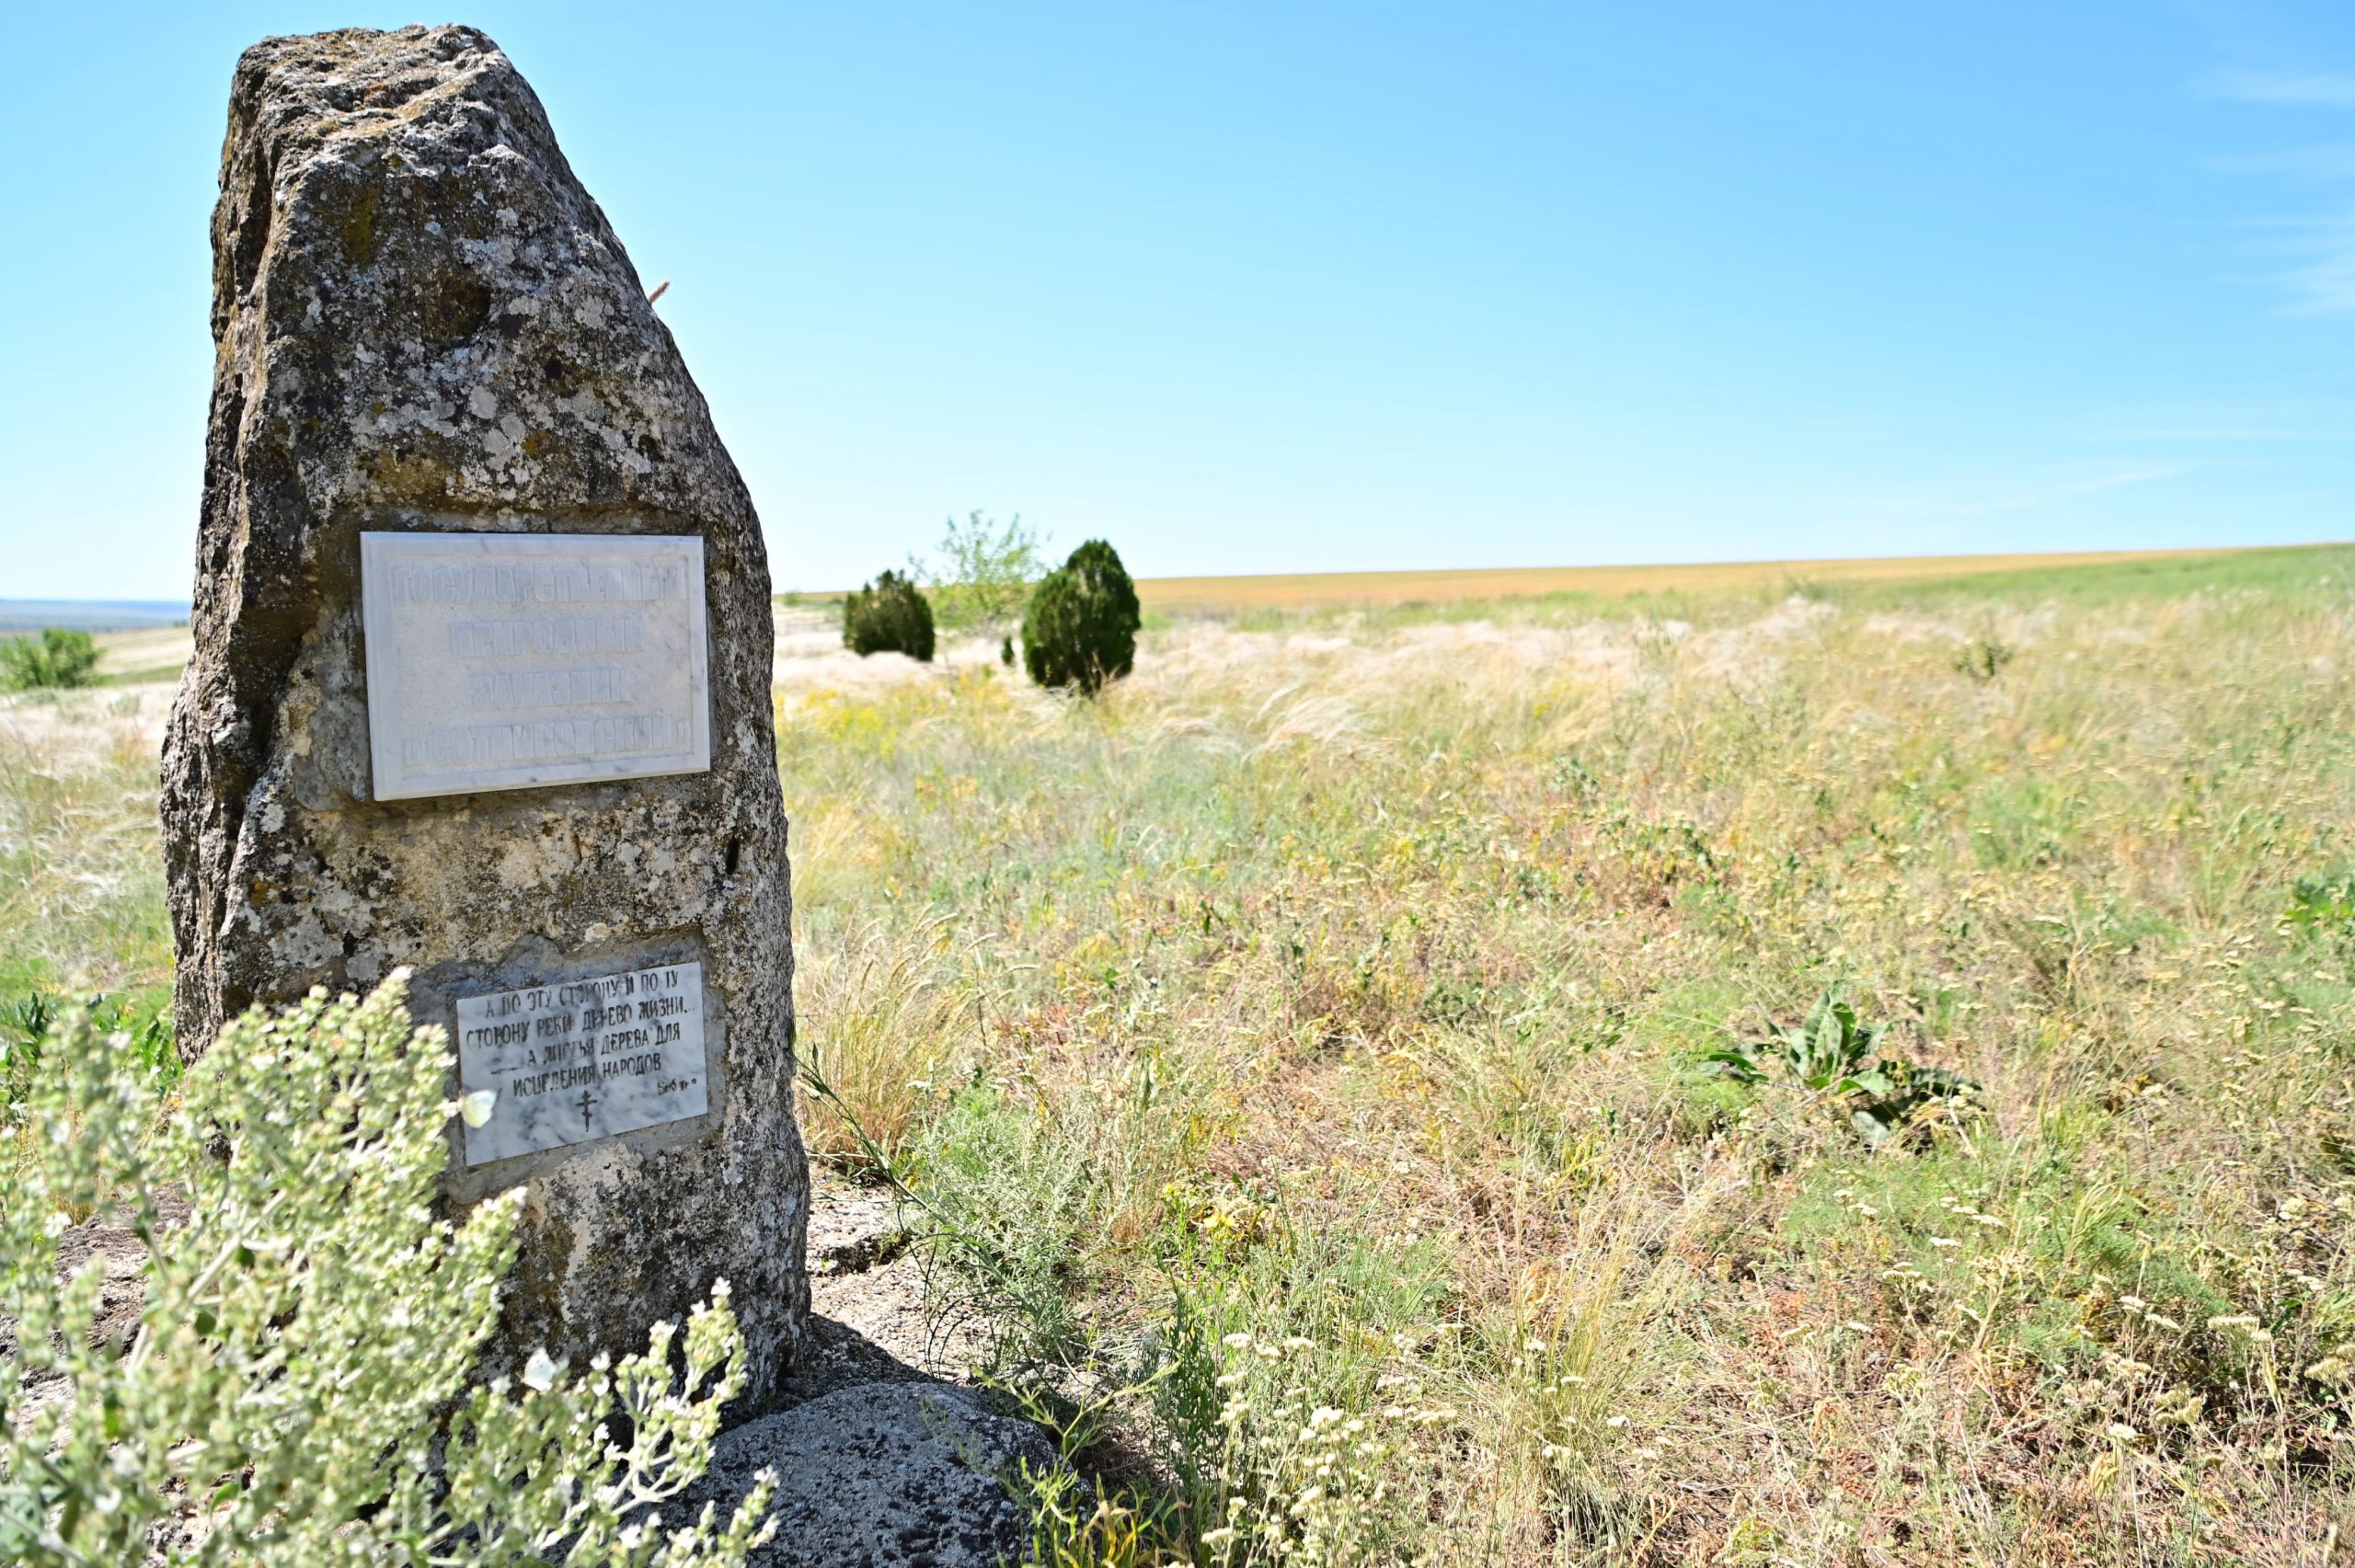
(1349, 1069)
(1182, 596)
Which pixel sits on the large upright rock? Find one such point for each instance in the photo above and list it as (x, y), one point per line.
(426, 328)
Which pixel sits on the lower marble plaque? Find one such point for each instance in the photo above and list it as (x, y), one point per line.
(576, 1060)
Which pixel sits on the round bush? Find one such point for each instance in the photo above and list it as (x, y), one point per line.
(1081, 629)
(58, 658)
(888, 616)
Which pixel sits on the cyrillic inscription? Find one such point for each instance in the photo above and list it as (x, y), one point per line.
(506, 661)
(576, 1060)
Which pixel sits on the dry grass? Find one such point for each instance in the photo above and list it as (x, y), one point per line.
(81, 876)
(1348, 986)
(154, 654)
(1328, 590)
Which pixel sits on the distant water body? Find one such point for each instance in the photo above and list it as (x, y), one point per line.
(91, 614)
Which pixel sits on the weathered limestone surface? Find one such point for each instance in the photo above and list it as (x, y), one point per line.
(883, 1475)
(424, 322)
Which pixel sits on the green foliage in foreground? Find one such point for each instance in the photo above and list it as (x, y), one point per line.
(1081, 629)
(888, 616)
(55, 660)
(295, 1388)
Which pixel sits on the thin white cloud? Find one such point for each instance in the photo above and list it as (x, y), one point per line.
(2152, 434)
(2332, 90)
(2332, 161)
(1979, 497)
(2320, 279)
(2117, 481)
(2325, 283)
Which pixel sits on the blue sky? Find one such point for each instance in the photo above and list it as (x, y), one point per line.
(1328, 287)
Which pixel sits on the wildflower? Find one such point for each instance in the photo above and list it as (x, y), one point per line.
(2331, 1371)
(2123, 1433)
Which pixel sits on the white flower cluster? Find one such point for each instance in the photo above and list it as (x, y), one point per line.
(1302, 1483)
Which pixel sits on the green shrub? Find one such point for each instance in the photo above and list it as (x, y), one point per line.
(1081, 629)
(2321, 905)
(888, 616)
(300, 1369)
(55, 658)
(1983, 658)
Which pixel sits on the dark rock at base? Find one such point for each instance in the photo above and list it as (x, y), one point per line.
(881, 1475)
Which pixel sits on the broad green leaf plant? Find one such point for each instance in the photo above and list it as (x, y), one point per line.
(1831, 1053)
(296, 1387)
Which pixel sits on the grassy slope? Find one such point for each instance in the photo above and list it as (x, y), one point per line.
(1339, 983)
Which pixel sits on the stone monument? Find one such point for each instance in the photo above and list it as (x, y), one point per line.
(481, 683)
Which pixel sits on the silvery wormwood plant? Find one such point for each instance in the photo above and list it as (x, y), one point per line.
(296, 1389)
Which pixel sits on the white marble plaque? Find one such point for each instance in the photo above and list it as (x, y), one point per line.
(506, 661)
(576, 1060)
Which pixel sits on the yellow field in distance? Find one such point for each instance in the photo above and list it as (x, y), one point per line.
(1320, 590)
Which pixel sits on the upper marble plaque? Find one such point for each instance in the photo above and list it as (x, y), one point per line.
(506, 661)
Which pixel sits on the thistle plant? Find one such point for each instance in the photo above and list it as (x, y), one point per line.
(296, 1387)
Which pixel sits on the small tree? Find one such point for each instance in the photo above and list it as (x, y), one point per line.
(57, 657)
(888, 616)
(299, 1372)
(983, 571)
(1081, 629)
